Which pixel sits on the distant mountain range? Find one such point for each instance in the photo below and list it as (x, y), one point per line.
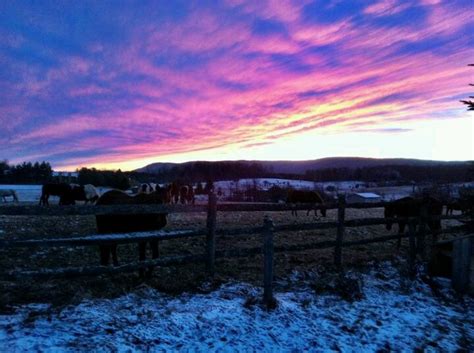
(301, 167)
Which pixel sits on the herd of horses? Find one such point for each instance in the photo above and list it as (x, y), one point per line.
(70, 193)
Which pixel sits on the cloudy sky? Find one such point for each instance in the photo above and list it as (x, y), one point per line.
(122, 83)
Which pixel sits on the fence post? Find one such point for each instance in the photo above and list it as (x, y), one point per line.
(462, 261)
(420, 246)
(211, 232)
(340, 230)
(412, 251)
(268, 298)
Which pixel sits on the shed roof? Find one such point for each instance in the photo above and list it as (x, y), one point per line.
(368, 195)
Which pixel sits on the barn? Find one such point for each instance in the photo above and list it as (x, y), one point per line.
(366, 197)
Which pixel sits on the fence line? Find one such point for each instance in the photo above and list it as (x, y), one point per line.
(90, 210)
(120, 238)
(267, 230)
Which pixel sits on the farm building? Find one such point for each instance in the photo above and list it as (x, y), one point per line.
(363, 197)
(66, 177)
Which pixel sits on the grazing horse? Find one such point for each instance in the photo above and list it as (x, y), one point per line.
(186, 194)
(63, 190)
(312, 198)
(91, 193)
(69, 193)
(457, 205)
(124, 223)
(86, 193)
(8, 193)
(410, 207)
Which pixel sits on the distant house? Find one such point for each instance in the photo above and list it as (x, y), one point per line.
(360, 197)
(66, 177)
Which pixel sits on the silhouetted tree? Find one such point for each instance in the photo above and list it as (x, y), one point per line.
(115, 179)
(469, 103)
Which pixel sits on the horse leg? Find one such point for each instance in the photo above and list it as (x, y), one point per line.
(154, 254)
(401, 231)
(113, 251)
(141, 256)
(104, 254)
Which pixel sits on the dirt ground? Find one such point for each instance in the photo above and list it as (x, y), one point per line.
(192, 277)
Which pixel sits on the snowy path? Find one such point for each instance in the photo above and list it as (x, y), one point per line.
(219, 321)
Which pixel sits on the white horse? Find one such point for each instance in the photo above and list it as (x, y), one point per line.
(8, 193)
(91, 193)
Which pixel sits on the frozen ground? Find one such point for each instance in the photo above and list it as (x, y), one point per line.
(387, 318)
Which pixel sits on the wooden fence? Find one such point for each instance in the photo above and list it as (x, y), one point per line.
(267, 230)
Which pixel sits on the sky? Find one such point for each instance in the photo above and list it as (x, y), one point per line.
(121, 84)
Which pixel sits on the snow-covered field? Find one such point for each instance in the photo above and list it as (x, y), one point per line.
(32, 193)
(28, 193)
(387, 318)
(267, 183)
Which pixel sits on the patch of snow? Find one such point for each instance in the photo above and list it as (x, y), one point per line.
(28, 193)
(146, 320)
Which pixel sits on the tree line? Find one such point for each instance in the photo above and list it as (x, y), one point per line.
(25, 173)
(41, 172)
(397, 173)
(201, 171)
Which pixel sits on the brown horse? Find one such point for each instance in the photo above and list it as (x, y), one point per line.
(63, 190)
(457, 205)
(186, 194)
(124, 223)
(410, 207)
(173, 191)
(312, 198)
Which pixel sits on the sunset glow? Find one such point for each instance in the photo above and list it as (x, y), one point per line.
(117, 86)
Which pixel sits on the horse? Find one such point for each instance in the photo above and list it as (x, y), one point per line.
(8, 193)
(457, 205)
(410, 207)
(124, 223)
(86, 193)
(69, 193)
(63, 190)
(174, 192)
(312, 198)
(186, 194)
(147, 188)
(91, 193)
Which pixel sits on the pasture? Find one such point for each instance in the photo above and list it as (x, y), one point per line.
(180, 278)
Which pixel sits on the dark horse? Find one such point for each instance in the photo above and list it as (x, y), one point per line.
(411, 207)
(124, 223)
(63, 190)
(312, 198)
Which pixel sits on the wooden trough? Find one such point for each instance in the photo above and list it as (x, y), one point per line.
(454, 259)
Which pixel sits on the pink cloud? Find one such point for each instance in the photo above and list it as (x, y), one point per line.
(239, 88)
(386, 7)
